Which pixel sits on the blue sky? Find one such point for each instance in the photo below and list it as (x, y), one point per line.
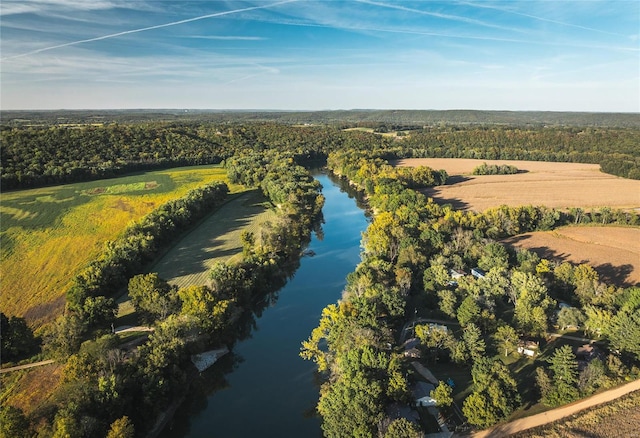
(311, 55)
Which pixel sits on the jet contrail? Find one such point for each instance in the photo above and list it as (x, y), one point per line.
(144, 29)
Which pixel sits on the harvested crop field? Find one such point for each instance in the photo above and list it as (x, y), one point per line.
(613, 251)
(556, 185)
(619, 418)
(216, 239)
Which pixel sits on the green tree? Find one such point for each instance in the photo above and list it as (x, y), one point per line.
(152, 297)
(443, 395)
(448, 302)
(13, 422)
(121, 428)
(478, 410)
(494, 389)
(624, 328)
(64, 336)
(16, 338)
(532, 303)
(403, 428)
(592, 377)
(494, 255)
(203, 304)
(469, 311)
(98, 311)
(564, 367)
(507, 339)
(570, 317)
(351, 407)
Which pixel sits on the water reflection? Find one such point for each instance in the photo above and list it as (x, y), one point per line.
(263, 387)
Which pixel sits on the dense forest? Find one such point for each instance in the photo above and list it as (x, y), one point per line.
(37, 156)
(409, 252)
(109, 390)
(390, 119)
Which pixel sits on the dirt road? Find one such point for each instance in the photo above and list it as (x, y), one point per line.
(507, 429)
(24, 367)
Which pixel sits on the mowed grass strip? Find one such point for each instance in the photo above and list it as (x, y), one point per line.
(216, 239)
(49, 234)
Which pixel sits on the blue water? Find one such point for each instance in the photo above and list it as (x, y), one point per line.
(272, 391)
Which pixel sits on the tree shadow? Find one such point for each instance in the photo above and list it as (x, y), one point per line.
(607, 272)
(456, 179)
(455, 203)
(618, 275)
(194, 253)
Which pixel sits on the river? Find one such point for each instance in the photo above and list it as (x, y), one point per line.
(264, 388)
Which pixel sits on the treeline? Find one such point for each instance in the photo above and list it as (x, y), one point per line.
(495, 169)
(409, 251)
(36, 156)
(371, 118)
(89, 301)
(614, 149)
(109, 389)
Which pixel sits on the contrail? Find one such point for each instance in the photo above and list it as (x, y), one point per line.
(561, 23)
(144, 29)
(438, 15)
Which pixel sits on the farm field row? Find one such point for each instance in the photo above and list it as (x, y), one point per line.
(216, 239)
(556, 185)
(49, 234)
(613, 251)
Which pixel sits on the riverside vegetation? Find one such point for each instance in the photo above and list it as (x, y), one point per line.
(408, 251)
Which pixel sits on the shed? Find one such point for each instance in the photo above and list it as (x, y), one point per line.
(478, 273)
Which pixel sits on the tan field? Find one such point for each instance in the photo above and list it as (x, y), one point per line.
(556, 185)
(613, 251)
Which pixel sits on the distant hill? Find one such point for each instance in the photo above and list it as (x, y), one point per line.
(417, 118)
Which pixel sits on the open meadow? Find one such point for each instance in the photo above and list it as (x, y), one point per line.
(216, 239)
(613, 251)
(555, 185)
(49, 234)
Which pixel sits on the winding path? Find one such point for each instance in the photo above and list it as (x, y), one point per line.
(121, 329)
(543, 418)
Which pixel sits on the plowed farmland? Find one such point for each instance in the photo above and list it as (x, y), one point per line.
(613, 251)
(557, 185)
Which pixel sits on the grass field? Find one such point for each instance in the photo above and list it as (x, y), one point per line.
(557, 185)
(619, 418)
(216, 239)
(49, 234)
(29, 389)
(613, 251)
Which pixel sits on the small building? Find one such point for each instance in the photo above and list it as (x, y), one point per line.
(442, 327)
(586, 353)
(421, 394)
(411, 348)
(456, 273)
(478, 273)
(528, 347)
